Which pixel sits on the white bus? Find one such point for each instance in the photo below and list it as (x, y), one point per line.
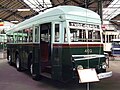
(3, 41)
(108, 36)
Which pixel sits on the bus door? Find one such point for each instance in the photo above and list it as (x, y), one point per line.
(45, 49)
(57, 38)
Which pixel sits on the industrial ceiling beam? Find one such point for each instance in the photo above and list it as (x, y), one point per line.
(10, 11)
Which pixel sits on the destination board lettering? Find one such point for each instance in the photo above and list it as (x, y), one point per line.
(83, 25)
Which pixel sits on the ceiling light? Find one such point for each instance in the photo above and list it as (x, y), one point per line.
(23, 10)
(14, 21)
(118, 21)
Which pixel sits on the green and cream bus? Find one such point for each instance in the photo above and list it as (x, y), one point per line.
(3, 41)
(58, 42)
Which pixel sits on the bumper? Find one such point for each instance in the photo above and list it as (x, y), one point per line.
(105, 75)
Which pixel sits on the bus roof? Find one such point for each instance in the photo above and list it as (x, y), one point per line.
(61, 13)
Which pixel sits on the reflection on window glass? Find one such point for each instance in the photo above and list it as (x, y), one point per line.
(79, 35)
(36, 33)
(15, 37)
(103, 38)
(28, 35)
(111, 37)
(19, 36)
(65, 36)
(93, 36)
(10, 38)
(25, 35)
(45, 31)
(107, 36)
(56, 32)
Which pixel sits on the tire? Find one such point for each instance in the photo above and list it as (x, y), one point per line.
(18, 63)
(31, 69)
(32, 72)
(9, 60)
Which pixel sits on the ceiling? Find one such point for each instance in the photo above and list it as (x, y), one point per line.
(9, 8)
(91, 4)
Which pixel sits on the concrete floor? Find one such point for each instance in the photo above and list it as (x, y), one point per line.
(11, 79)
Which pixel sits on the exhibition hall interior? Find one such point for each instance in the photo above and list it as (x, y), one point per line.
(59, 44)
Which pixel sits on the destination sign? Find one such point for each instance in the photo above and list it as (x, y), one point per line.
(83, 25)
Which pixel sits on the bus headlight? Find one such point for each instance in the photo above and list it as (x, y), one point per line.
(104, 65)
(79, 67)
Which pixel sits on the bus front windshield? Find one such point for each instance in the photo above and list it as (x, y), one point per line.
(82, 35)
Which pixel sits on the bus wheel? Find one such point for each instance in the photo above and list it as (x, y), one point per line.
(9, 60)
(33, 74)
(18, 64)
(31, 69)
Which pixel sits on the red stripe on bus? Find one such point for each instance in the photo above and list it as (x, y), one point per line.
(78, 45)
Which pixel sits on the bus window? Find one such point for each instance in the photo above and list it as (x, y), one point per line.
(107, 41)
(77, 35)
(25, 35)
(80, 35)
(90, 34)
(19, 36)
(103, 38)
(28, 35)
(65, 36)
(15, 37)
(57, 33)
(93, 36)
(10, 38)
(45, 32)
(111, 37)
(36, 33)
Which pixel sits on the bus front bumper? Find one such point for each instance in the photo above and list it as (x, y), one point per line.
(105, 75)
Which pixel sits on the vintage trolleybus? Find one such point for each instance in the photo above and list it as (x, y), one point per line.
(3, 41)
(115, 50)
(108, 36)
(57, 42)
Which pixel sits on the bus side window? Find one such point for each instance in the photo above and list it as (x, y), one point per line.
(57, 32)
(77, 35)
(103, 38)
(45, 31)
(15, 37)
(31, 35)
(25, 35)
(45, 37)
(28, 35)
(36, 33)
(19, 36)
(65, 36)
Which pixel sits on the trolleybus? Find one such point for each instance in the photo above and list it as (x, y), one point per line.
(108, 36)
(58, 42)
(3, 41)
(115, 50)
